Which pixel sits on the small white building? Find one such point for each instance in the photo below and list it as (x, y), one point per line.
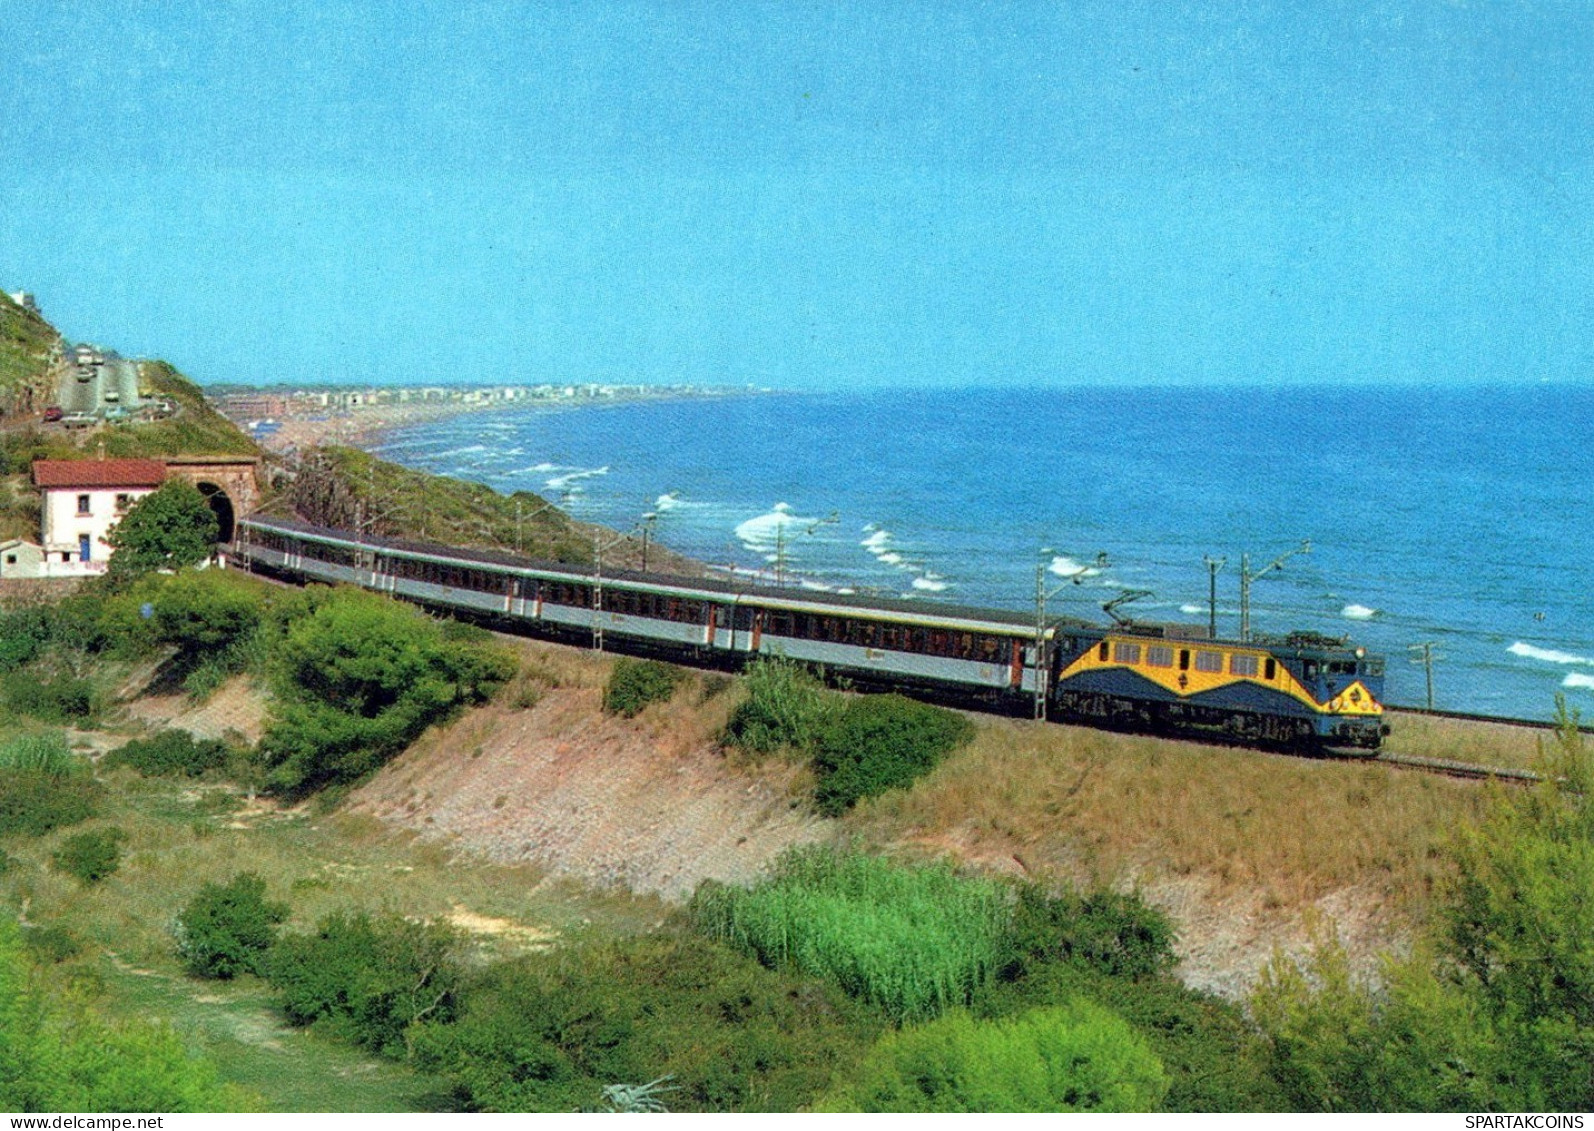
(20, 559)
(83, 499)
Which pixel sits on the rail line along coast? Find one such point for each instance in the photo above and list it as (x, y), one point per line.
(1302, 692)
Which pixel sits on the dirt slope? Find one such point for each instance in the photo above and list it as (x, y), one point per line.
(645, 804)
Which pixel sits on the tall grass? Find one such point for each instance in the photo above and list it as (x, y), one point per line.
(786, 707)
(914, 941)
(46, 754)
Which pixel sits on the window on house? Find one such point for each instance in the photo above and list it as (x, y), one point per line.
(11, 559)
(82, 504)
(123, 502)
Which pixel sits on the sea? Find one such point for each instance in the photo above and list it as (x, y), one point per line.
(1456, 518)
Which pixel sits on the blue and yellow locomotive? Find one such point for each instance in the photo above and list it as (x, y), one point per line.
(1305, 690)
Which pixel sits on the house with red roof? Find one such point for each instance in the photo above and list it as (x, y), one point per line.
(83, 500)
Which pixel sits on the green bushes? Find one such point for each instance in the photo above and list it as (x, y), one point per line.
(1499, 1014)
(90, 856)
(633, 684)
(368, 978)
(212, 620)
(228, 929)
(914, 941)
(786, 707)
(43, 785)
(23, 636)
(171, 527)
(171, 753)
(1118, 934)
(62, 698)
(359, 677)
(881, 742)
(55, 1055)
(1075, 1058)
(859, 748)
(548, 1033)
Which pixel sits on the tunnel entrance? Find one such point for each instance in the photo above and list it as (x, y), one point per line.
(221, 506)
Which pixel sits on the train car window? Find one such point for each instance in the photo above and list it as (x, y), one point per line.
(1123, 653)
(991, 649)
(1373, 667)
(1309, 670)
(1209, 661)
(1159, 656)
(1101, 653)
(1242, 665)
(1272, 669)
(1184, 659)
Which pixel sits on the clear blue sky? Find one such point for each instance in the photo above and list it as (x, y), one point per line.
(808, 195)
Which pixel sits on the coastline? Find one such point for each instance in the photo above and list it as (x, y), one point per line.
(363, 426)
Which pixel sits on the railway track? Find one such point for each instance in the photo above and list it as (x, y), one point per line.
(1467, 717)
(1470, 770)
(1455, 769)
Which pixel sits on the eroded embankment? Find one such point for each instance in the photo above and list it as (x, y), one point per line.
(646, 804)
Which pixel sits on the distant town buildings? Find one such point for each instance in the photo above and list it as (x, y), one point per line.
(249, 407)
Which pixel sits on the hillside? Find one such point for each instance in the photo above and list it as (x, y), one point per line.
(346, 487)
(1244, 850)
(29, 350)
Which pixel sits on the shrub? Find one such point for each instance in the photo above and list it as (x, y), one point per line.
(51, 944)
(1213, 1056)
(171, 527)
(91, 856)
(1079, 1057)
(786, 706)
(914, 941)
(360, 676)
(633, 684)
(1120, 935)
(368, 978)
(60, 699)
(550, 1032)
(23, 636)
(212, 618)
(55, 1055)
(33, 803)
(228, 929)
(881, 742)
(171, 753)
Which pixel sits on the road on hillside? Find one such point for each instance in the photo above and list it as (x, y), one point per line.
(93, 388)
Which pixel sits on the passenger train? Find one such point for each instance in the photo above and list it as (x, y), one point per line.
(1304, 691)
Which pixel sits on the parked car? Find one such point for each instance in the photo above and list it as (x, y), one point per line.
(78, 420)
(53, 413)
(116, 414)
